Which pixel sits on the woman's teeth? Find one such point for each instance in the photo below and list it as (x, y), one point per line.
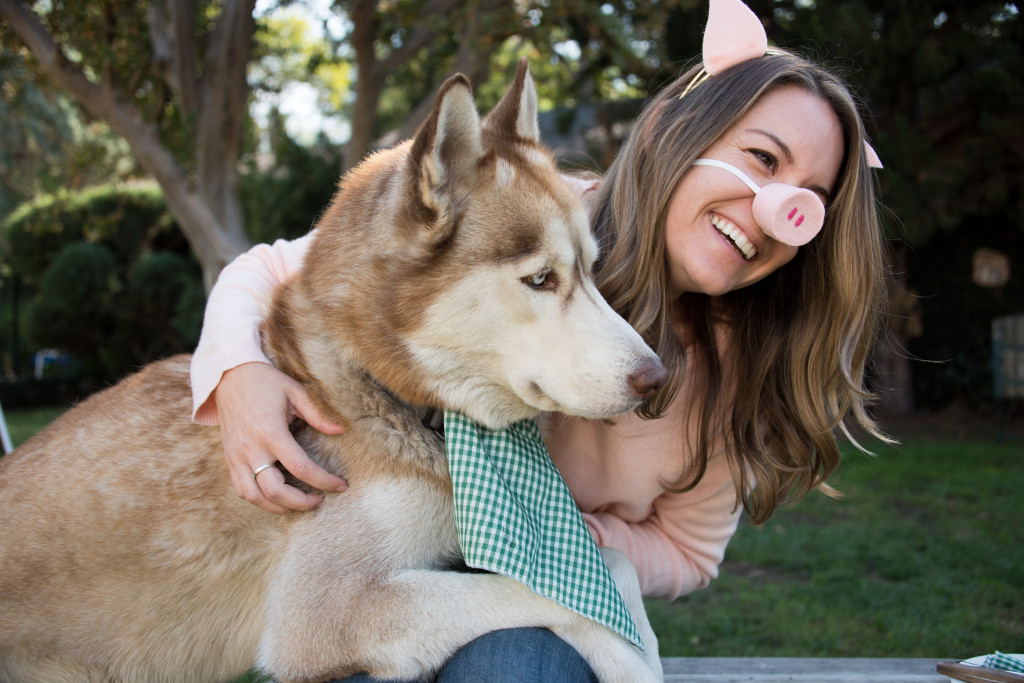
(735, 236)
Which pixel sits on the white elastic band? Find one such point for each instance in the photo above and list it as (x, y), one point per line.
(732, 169)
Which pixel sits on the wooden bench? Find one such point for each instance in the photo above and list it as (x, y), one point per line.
(799, 670)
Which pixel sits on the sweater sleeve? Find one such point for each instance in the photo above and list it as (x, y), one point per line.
(678, 548)
(239, 303)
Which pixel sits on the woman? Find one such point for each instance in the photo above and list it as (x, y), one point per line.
(766, 342)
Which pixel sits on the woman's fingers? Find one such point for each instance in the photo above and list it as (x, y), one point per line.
(294, 458)
(302, 406)
(279, 496)
(256, 403)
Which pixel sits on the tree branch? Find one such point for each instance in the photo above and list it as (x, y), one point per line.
(419, 37)
(210, 243)
(173, 41)
(472, 60)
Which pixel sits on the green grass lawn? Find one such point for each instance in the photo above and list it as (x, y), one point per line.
(24, 423)
(923, 557)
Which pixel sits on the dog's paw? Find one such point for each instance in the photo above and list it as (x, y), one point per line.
(612, 658)
(624, 575)
(625, 663)
(653, 661)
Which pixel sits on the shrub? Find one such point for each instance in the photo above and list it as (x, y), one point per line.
(121, 218)
(114, 283)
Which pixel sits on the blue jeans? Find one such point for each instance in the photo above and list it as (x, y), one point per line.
(517, 655)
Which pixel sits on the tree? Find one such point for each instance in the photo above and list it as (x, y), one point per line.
(45, 144)
(179, 98)
(386, 38)
(943, 83)
(284, 200)
(169, 76)
(404, 50)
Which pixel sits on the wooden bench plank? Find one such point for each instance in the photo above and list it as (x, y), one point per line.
(799, 670)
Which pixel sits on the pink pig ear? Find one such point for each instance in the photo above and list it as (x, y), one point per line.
(734, 34)
(872, 155)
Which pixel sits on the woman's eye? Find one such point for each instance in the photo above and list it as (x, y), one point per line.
(767, 159)
(541, 280)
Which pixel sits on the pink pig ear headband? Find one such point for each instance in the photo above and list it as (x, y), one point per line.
(788, 214)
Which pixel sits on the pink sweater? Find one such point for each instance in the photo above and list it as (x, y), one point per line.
(675, 540)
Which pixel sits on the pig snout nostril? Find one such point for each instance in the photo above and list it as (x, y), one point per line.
(648, 378)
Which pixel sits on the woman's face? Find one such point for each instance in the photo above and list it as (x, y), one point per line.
(714, 245)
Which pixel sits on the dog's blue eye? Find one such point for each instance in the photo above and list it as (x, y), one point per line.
(544, 279)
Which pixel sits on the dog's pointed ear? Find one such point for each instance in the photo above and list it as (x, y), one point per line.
(446, 149)
(516, 114)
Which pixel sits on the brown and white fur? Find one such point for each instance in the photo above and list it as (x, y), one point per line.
(451, 271)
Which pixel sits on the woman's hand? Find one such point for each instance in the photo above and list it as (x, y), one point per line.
(255, 403)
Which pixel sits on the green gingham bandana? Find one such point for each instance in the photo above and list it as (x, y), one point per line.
(1014, 663)
(516, 517)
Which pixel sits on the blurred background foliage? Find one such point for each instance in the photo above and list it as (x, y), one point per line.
(112, 282)
(96, 265)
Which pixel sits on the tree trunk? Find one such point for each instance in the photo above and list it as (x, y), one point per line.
(364, 112)
(893, 377)
(210, 217)
(222, 114)
(363, 15)
(372, 70)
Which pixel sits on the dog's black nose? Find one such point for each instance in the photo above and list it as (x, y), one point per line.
(648, 378)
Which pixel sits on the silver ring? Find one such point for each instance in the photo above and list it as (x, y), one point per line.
(261, 468)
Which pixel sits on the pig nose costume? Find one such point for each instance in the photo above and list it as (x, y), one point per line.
(791, 215)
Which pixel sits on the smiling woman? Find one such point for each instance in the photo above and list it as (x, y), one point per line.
(775, 337)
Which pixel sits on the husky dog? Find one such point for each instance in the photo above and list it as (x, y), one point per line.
(452, 271)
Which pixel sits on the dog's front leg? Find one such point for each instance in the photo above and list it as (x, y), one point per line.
(624, 575)
(408, 625)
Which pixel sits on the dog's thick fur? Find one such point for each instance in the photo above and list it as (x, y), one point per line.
(451, 271)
